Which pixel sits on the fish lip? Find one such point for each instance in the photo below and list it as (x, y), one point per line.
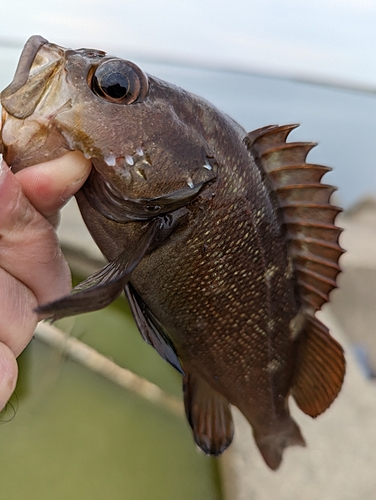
(22, 96)
(27, 57)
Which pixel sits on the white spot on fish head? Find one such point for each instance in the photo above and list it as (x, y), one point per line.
(110, 160)
(129, 160)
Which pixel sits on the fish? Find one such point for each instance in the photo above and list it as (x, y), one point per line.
(224, 241)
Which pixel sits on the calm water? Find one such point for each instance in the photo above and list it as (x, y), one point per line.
(343, 122)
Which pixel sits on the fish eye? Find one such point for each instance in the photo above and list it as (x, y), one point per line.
(119, 81)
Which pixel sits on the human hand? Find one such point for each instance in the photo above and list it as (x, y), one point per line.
(32, 268)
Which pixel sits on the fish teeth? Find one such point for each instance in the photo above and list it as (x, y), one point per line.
(190, 183)
(138, 160)
(207, 166)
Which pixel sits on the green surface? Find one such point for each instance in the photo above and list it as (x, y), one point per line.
(78, 436)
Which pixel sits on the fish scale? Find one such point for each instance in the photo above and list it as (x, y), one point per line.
(224, 241)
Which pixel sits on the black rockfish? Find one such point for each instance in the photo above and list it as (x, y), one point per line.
(224, 241)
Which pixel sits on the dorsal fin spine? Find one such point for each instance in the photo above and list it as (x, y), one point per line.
(301, 172)
(318, 260)
(310, 288)
(265, 134)
(305, 207)
(317, 241)
(317, 276)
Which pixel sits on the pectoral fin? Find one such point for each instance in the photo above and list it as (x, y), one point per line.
(151, 330)
(208, 414)
(320, 370)
(104, 286)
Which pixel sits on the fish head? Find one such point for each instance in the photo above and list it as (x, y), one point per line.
(138, 131)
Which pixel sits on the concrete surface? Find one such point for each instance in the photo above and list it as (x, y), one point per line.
(354, 303)
(339, 462)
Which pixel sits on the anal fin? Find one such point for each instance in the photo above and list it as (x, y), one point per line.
(320, 369)
(208, 414)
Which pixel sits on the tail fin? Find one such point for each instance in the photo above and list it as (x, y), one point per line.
(271, 446)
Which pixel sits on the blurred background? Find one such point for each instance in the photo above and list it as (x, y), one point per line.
(82, 432)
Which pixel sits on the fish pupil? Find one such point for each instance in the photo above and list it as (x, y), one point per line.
(118, 81)
(115, 85)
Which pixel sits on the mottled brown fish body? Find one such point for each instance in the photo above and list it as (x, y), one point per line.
(224, 241)
(224, 291)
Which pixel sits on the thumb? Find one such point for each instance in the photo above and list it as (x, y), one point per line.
(49, 185)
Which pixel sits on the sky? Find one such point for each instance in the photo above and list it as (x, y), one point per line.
(330, 40)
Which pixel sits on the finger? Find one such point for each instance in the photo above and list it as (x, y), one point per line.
(17, 319)
(29, 249)
(8, 371)
(49, 185)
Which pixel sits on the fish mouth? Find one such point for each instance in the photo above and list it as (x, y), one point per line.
(29, 52)
(34, 69)
(24, 136)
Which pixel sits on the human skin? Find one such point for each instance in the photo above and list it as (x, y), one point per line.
(32, 267)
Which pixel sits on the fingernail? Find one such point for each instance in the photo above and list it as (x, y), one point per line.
(72, 188)
(66, 194)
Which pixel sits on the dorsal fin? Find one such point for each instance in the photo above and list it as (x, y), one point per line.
(306, 209)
